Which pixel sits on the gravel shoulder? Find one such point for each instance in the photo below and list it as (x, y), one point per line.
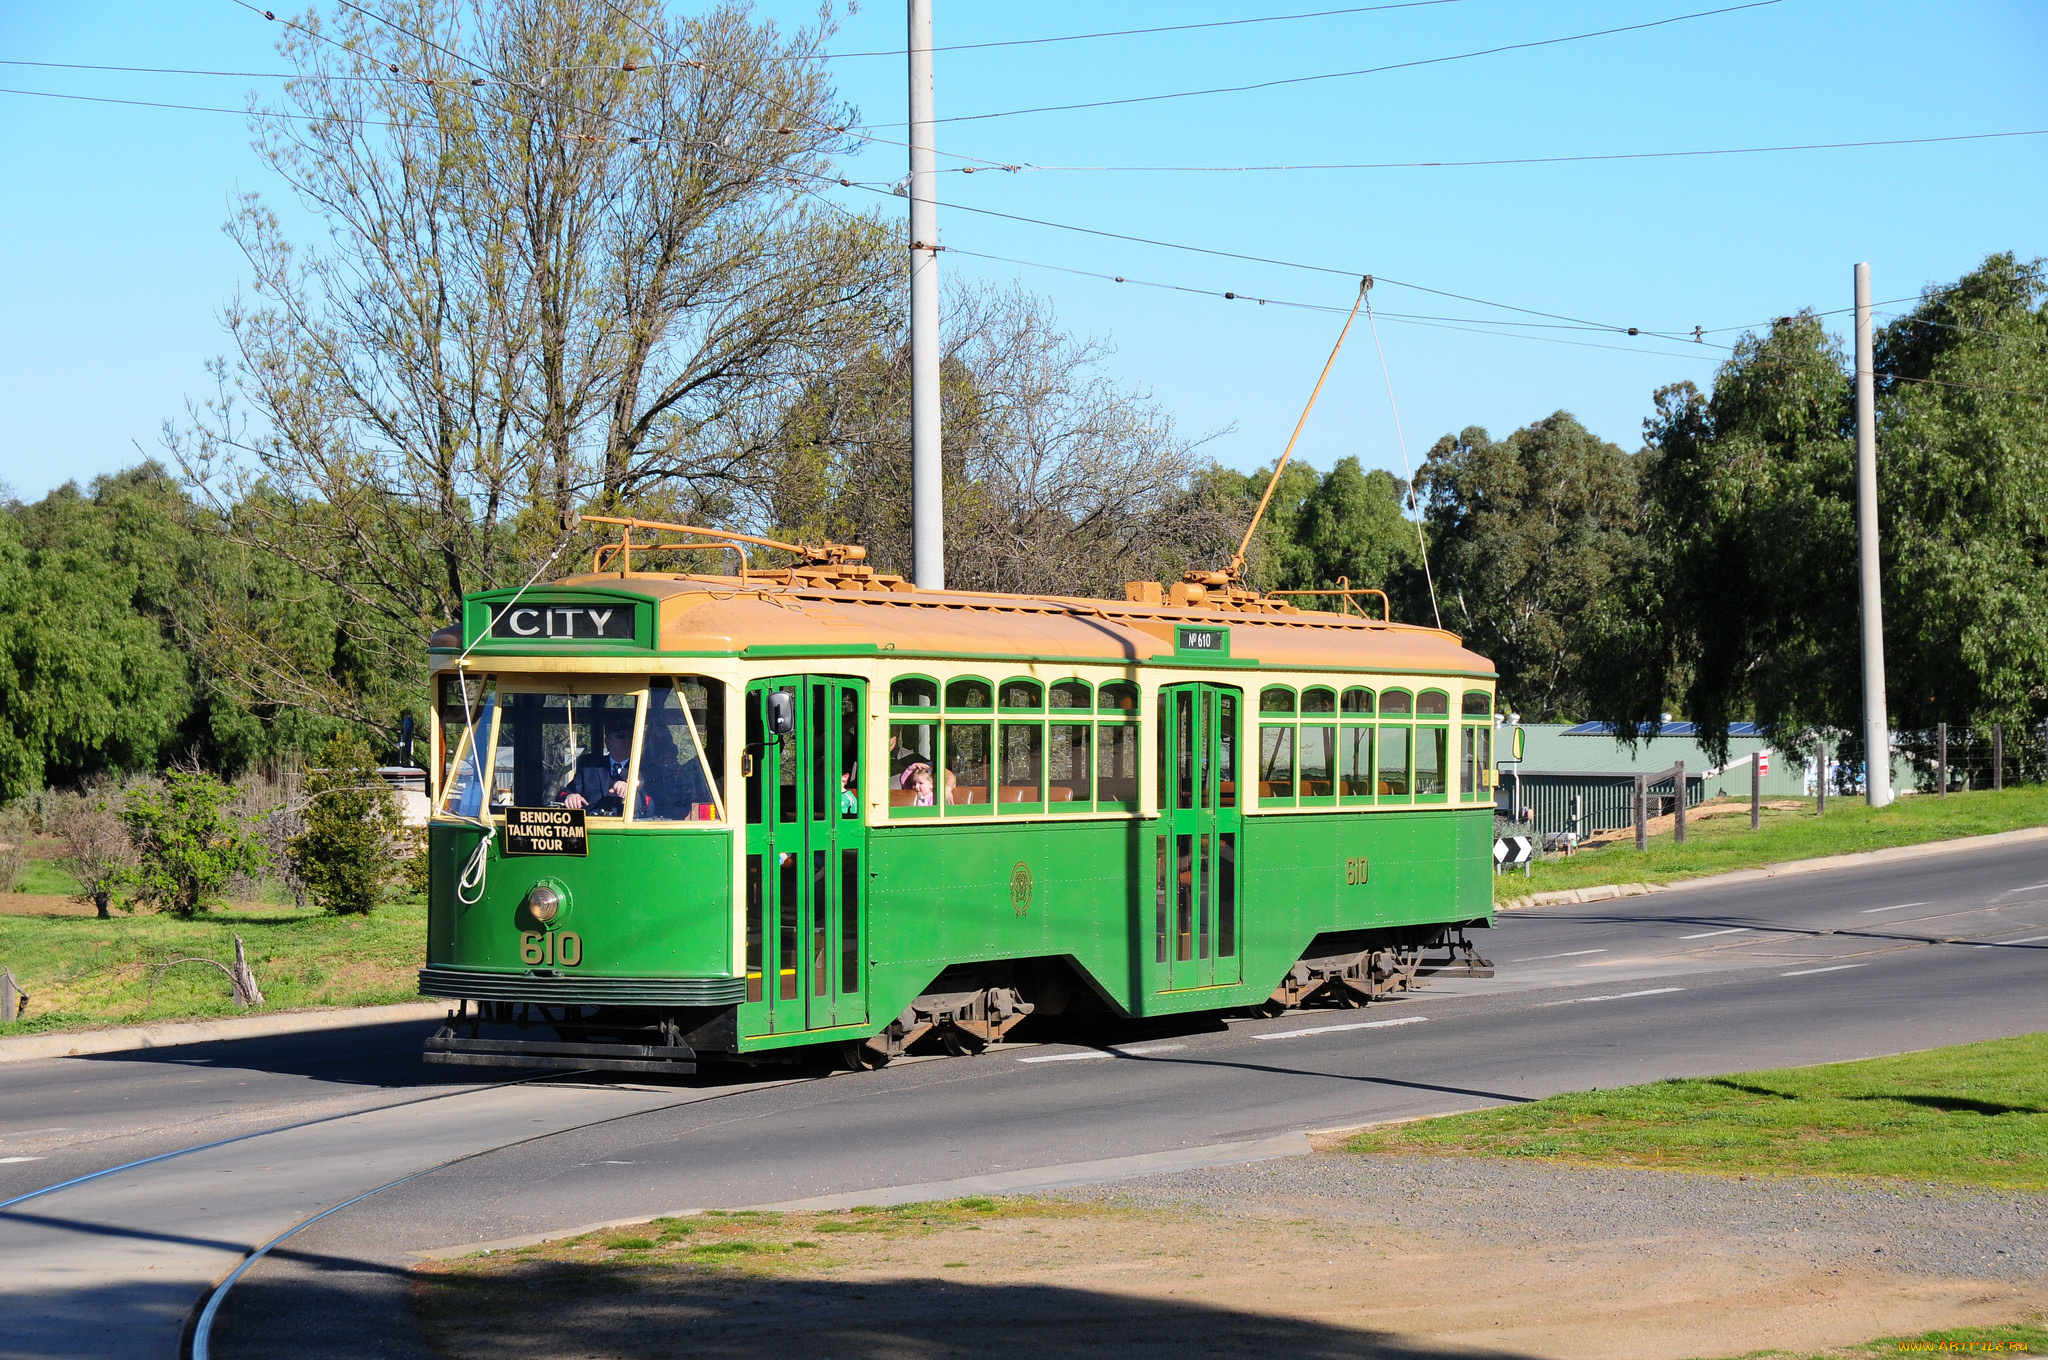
(1330, 1255)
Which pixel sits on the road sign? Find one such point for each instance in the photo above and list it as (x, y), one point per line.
(1512, 850)
(1763, 762)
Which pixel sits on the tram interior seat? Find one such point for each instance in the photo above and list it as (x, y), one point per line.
(1275, 788)
(1059, 793)
(1020, 793)
(1316, 788)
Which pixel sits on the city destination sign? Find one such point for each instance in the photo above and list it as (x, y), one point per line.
(545, 622)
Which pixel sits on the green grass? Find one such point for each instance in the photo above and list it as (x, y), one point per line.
(1721, 844)
(2019, 1338)
(81, 972)
(1973, 1115)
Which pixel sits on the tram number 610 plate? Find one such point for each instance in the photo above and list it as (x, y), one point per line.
(564, 948)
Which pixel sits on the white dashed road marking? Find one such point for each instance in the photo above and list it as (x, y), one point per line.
(1332, 1029)
(1618, 996)
(1809, 972)
(1709, 934)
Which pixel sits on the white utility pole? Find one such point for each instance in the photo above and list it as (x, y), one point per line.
(1877, 732)
(927, 486)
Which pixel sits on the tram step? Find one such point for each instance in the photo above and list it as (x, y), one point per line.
(560, 1064)
(446, 1042)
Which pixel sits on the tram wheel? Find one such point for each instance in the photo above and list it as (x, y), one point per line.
(860, 1056)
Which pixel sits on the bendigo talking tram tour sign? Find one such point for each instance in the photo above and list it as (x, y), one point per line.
(545, 831)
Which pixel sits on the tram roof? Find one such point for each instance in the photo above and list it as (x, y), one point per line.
(726, 616)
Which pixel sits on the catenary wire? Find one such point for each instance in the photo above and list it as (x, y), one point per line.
(1146, 32)
(1346, 75)
(1028, 166)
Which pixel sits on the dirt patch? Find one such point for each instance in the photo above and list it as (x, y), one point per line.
(43, 904)
(1668, 824)
(1275, 1273)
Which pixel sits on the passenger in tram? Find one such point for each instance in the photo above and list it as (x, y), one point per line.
(673, 786)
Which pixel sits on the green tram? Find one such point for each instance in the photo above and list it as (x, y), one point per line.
(682, 816)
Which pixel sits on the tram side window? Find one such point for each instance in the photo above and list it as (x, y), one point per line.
(1430, 743)
(462, 763)
(1116, 766)
(967, 764)
(682, 751)
(1067, 764)
(1394, 761)
(914, 779)
(1022, 773)
(566, 748)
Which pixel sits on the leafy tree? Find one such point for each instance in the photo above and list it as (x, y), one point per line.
(346, 852)
(1963, 498)
(187, 849)
(1527, 535)
(1743, 602)
(87, 679)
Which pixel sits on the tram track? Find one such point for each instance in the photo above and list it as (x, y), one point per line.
(198, 1345)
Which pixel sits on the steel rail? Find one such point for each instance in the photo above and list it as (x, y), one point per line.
(264, 1133)
(202, 1331)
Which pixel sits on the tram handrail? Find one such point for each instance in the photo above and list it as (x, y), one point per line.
(1347, 590)
(825, 552)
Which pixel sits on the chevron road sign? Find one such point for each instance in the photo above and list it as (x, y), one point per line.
(1509, 851)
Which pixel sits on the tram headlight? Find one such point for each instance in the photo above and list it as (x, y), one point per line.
(543, 903)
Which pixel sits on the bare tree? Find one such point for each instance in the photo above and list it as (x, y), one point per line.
(1057, 479)
(97, 849)
(565, 238)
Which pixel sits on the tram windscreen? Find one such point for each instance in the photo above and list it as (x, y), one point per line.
(464, 699)
(563, 749)
(682, 752)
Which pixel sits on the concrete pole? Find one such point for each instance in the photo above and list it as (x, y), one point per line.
(927, 473)
(1642, 810)
(1820, 788)
(1756, 790)
(1877, 739)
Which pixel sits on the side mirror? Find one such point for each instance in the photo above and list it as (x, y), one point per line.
(405, 740)
(782, 712)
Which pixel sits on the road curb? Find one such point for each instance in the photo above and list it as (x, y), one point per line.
(29, 1047)
(1608, 891)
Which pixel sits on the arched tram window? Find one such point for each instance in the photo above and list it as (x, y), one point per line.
(1016, 746)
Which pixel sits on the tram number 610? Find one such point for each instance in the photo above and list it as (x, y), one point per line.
(565, 948)
(1355, 871)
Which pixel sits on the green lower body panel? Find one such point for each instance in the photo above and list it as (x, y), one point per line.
(471, 984)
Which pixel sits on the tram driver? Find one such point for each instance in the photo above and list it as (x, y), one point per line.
(598, 782)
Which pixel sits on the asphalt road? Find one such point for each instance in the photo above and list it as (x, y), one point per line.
(1804, 969)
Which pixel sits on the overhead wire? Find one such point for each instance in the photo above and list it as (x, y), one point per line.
(1146, 32)
(1346, 75)
(1034, 167)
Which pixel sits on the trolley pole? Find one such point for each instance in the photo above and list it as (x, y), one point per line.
(927, 471)
(1877, 738)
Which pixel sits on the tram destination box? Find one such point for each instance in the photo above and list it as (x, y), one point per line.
(545, 831)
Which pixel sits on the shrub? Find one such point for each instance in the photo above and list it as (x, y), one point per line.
(97, 849)
(186, 848)
(352, 826)
(17, 832)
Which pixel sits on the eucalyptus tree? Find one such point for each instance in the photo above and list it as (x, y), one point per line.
(1528, 536)
(555, 245)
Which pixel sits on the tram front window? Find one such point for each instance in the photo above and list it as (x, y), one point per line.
(682, 751)
(564, 749)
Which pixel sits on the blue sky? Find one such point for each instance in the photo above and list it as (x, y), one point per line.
(116, 267)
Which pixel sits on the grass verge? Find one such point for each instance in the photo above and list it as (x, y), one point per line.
(1721, 844)
(1975, 1114)
(81, 972)
(2019, 1338)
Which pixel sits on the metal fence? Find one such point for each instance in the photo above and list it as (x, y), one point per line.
(1967, 756)
(1606, 801)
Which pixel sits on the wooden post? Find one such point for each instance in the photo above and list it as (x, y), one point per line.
(1642, 812)
(1998, 757)
(1820, 785)
(1756, 790)
(1678, 805)
(12, 999)
(1941, 757)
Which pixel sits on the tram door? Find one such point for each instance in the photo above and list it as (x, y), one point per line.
(1196, 924)
(806, 870)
